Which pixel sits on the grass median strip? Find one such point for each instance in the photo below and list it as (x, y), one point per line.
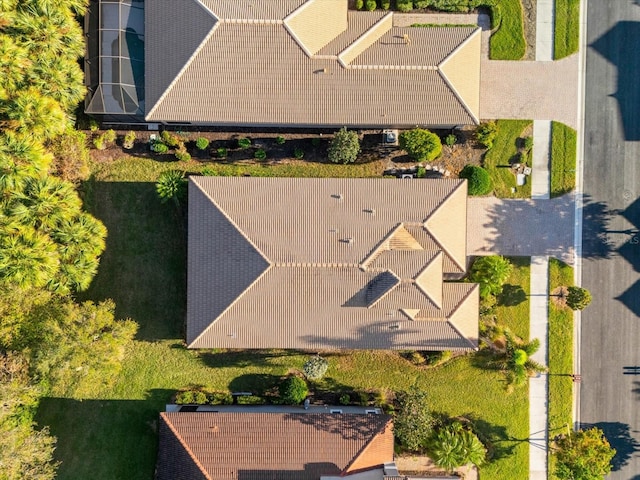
(567, 28)
(563, 159)
(560, 356)
(507, 43)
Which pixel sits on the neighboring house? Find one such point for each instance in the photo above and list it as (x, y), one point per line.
(273, 446)
(321, 264)
(291, 63)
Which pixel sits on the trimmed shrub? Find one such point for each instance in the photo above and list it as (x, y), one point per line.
(244, 143)
(345, 399)
(171, 185)
(421, 172)
(315, 367)
(370, 5)
(220, 398)
(450, 140)
(209, 172)
(490, 273)
(359, 4)
(298, 153)
(578, 298)
(280, 140)
(192, 397)
(437, 358)
(486, 133)
(421, 145)
(169, 139)
(109, 136)
(344, 147)
(99, 143)
(221, 152)
(183, 155)
(129, 140)
(385, 4)
(478, 179)
(404, 5)
(293, 390)
(260, 154)
(202, 143)
(159, 147)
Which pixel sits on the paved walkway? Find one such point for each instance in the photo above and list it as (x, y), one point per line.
(534, 90)
(540, 179)
(538, 387)
(521, 227)
(544, 30)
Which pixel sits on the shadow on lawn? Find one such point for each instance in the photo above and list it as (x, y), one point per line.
(104, 439)
(143, 266)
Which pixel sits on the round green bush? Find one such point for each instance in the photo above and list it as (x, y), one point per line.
(159, 147)
(578, 298)
(315, 367)
(370, 5)
(421, 145)
(359, 4)
(298, 153)
(344, 147)
(479, 181)
(260, 154)
(202, 143)
(244, 143)
(221, 152)
(293, 390)
(183, 155)
(486, 133)
(280, 140)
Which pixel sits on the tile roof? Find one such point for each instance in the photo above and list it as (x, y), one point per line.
(270, 446)
(276, 63)
(328, 264)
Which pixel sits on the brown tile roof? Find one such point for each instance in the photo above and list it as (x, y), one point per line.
(221, 62)
(270, 446)
(327, 264)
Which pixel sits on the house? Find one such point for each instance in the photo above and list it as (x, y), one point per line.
(325, 264)
(273, 445)
(285, 63)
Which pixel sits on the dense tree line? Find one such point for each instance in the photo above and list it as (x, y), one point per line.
(49, 246)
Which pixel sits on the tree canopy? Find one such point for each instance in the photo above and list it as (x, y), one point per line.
(490, 273)
(344, 147)
(583, 455)
(421, 145)
(479, 181)
(413, 424)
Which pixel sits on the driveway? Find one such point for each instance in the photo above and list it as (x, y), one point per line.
(530, 90)
(521, 227)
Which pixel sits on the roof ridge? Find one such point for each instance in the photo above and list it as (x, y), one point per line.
(184, 444)
(436, 211)
(189, 60)
(380, 247)
(450, 318)
(315, 265)
(393, 67)
(382, 430)
(253, 21)
(377, 30)
(439, 255)
(444, 76)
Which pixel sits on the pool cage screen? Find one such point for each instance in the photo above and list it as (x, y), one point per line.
(114, 62)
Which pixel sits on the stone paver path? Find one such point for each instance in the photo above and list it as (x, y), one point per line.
(533, 90)
(521, 227)
(538, 386)
(540, 182)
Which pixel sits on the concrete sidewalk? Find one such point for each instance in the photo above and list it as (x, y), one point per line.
(538, 386)
(541, 160)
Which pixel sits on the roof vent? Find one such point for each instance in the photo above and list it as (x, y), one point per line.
(370, 211)
(337, 196)
(395, 326)
(348, 240)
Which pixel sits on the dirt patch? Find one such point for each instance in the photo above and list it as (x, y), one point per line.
(559, 296)
(423, 466)
(529, 19)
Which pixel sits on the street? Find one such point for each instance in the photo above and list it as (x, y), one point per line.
(610, 340)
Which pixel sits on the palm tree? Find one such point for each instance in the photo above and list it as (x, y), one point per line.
(29, 112)
(171, 185)
(515, 359)
(454, 446)
(27, 258)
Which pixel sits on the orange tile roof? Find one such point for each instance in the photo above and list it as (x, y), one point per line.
(270, 446)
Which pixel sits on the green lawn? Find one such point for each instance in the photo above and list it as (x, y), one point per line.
(111, 434)
(563, 159)
(560, 355)
(507, 43)
(567, 28)
(513, 304)
(498, 159)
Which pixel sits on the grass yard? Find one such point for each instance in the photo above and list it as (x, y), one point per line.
(110, 434)
(563, 159)
(513, 304)
(498, 159)
(507, 43)
(560, 355)
(567, 28)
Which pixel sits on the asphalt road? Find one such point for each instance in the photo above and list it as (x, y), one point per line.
(610, 343)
